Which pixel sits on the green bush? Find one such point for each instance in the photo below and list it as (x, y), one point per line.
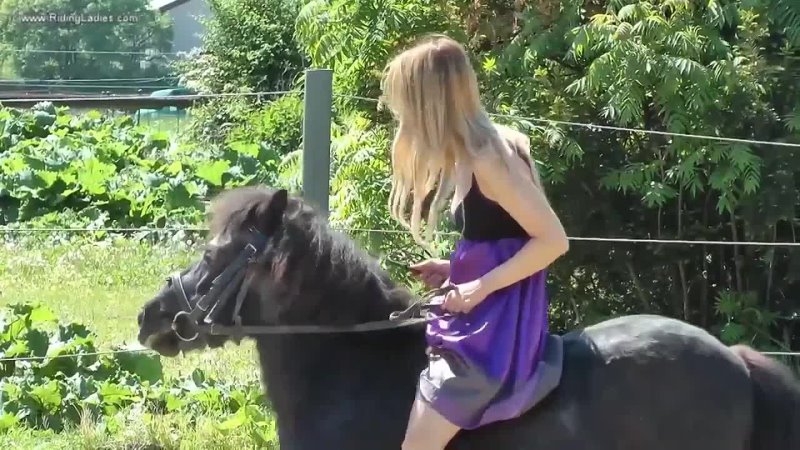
(248, 45)
(111, 171)
(52, 376)
(712, 68)
(278, 126)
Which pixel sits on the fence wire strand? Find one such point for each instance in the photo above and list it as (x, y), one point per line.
(7, 231)
(154, 353)
(82, 80)
(77, 355)
(149, 97)
(593, 127)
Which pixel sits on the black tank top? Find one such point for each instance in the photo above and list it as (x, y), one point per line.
(483, 219)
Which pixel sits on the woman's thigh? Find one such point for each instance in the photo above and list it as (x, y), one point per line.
(427, 429)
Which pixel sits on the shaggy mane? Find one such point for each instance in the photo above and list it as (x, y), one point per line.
(312, 262)
(230, 209)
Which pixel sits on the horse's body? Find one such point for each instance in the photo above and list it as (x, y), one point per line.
(634, 383)
(631, 383)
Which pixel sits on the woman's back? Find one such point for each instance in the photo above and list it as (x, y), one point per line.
(482, 219)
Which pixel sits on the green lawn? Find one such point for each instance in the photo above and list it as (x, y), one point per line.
(103, 285)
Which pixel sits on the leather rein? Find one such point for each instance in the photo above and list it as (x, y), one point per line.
(191, 321)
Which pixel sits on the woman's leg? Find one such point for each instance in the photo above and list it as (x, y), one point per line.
(427, 429)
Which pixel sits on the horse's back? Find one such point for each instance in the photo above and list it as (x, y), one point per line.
(635, 382)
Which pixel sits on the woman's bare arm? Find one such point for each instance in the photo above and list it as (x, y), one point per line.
(527, 204)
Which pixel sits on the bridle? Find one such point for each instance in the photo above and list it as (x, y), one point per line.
(202, 318)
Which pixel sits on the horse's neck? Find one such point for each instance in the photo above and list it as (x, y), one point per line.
(342, 391)
(357, 296)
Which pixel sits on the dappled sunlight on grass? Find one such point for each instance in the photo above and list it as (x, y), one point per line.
(103, 285)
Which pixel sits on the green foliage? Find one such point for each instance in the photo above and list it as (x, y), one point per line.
(124, 26)
(718, 68)
(360, 201)
(278, 126)
(356, 37)
(52, 376)
(247, 45)
(112, 172)
(712, 68)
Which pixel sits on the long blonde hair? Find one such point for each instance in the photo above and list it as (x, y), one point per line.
(432, 91)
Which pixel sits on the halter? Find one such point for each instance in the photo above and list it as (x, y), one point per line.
(187, 323)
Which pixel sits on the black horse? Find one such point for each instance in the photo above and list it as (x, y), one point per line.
(340, 376)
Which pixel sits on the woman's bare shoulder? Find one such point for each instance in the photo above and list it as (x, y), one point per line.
(514, 137)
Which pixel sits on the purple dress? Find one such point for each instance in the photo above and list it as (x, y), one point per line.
(497, 361)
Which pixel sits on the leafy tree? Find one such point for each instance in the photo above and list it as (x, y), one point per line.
(66, 26)
(248, 46)
(355, 38)
(718, 68)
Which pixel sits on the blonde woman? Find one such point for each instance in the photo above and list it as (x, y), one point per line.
(488, 339)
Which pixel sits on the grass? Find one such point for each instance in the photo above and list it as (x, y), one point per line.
(103, 284)
(133, 430)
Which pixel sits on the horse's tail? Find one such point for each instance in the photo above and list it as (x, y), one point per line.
(776, 402)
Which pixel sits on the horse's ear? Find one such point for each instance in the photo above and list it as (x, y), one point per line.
(268, 217)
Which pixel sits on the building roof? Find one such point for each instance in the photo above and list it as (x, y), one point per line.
(166, 5)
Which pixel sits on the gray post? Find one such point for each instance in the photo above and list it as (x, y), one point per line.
(317, 109)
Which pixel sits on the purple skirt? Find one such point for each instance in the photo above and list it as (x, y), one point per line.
(486, 365)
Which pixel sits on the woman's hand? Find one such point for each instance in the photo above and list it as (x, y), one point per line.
(432, 272)
(465, 296)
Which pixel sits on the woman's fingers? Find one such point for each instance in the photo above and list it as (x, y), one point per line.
(430, 272)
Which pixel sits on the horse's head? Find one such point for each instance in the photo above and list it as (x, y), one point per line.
(271, 261)
(231, 285)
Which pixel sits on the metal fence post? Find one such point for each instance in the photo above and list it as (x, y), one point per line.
(317, 110)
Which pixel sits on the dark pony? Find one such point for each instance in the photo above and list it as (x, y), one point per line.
(630, 383)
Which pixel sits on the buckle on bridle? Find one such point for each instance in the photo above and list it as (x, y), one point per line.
(183, 322)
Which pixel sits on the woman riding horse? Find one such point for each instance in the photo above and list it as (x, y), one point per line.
(486, 346)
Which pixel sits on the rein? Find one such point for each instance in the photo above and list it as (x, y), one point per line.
(191, 321)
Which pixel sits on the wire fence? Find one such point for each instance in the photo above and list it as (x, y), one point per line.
(77, 355)
(17, 85)
(346, 230)
(86, 80)
(149, 97)
(596, 127)
(589, 126)
(149, 351)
